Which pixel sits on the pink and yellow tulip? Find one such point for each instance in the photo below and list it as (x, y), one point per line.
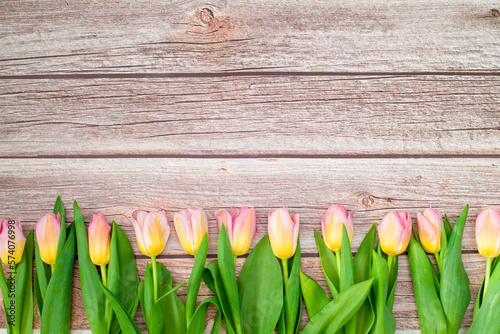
(241, 226)
(331, 226)
(429, 230)
(283, 232)
(394, 232)
(151, 230)
(11, 255)
(191, 227)
(47, 235)
(99, 239)
(488, 233)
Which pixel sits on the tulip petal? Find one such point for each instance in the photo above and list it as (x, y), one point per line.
(184, 231)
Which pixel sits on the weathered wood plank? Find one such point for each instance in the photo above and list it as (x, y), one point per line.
(273, 116)
(117, 187)
(405, 310)
(195, 36)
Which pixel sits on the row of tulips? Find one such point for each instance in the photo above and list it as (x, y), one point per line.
(266, 296)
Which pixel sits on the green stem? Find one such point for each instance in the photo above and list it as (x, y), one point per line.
(285, 271)
(107, 308)
(52, 268)
(155, 280)
(337, 255)
(104, 275)
(235, 257)
(438, 261)
(488, 274)
(390, 259)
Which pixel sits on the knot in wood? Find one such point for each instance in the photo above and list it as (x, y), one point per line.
(206, 16)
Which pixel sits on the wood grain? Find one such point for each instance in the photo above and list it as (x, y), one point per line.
(117, 187)
(252, 116)
(88, 37)
(404, 311)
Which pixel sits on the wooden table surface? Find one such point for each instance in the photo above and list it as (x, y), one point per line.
(373, 104)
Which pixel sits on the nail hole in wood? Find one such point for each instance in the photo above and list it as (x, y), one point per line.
(495, 12)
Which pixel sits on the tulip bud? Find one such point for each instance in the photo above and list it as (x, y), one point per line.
(47, 236)
(331, 226)
(488, 233)
(283, 232)
(12, 241)
(99, 239)
(151, 231)
(191, 227)
(429, 230)
(241, 226)
(394, 232)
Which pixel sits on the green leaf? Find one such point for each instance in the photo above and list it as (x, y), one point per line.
(447, 225)
(198, 321)
(384, 321)
(6, 299)
(347, 275)
(59, 209)
(195, 278)
(57, 304)
(42, 278)
(211, 277)
(328, 263)
(23, 290)
(393, 276)
(292, 294)
(486, 319)
(160, 324)
(123, 279)
(430, 311)
(337, 312)
(314, 295)
(127, 324)
(90, 281)
(455, 292)
(228, 277)
(444, 241)
(261, 289)
(362, 271)
(173, 310)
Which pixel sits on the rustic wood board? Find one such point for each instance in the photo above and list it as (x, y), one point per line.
(248, 116)
(117, 187)
(85, 37)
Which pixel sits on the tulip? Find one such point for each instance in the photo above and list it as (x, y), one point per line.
(488, 233)
(47, 236)
(241, 226)
(488, 238)
(151, 230)
(99, 239)
(283, 233)
(394, 232)
(429, 230)
(191, 227)
(14, 239)
(331, 226)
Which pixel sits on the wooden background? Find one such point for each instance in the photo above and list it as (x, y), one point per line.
(373, 104)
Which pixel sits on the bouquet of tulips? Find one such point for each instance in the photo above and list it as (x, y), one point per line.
(442, 294)
(17, 289)
(163, 311)
(251, 304)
